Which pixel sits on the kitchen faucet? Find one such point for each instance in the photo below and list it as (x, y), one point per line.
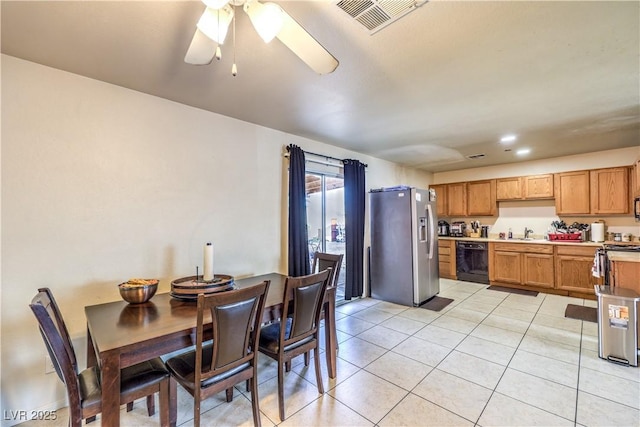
(526, 232)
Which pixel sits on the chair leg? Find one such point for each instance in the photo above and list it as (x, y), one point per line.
(151, 405)
(129, 406)
(173, 402)
(318, 372)
(287, 366)
(229, 393)
(196, 408)
(255, 401)
(306, 358)
(281, 390)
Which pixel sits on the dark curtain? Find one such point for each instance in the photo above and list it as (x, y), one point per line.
(298, 242)
(354, 200)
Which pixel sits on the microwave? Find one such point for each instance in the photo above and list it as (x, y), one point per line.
(636, 208)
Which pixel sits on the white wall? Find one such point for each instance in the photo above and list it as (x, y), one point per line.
(538, 214)
(101, 183)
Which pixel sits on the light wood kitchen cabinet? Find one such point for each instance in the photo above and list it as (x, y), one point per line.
(610, 191)
(572, 194)
(457, 199)
(523, 264)
(506, 267)
(509, 188)
(537, 270)
(538, 186)
(441, 199)
(525, 187)
(573, 268)
(481, 198)
(447, 258)
(625, 274)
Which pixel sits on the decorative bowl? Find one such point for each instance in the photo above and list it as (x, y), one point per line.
(137, 291)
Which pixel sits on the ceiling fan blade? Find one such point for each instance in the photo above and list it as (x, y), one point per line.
(201, 50)
(296, 38)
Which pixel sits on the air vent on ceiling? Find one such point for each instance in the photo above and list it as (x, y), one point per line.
(374, 15)
(475, 156)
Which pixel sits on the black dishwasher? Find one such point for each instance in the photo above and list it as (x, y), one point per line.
(472, 262)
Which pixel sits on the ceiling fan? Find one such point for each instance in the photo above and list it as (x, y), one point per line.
(269, 20)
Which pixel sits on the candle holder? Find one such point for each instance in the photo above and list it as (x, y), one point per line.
(188, 288)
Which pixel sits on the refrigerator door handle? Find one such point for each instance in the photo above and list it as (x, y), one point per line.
(432, 231)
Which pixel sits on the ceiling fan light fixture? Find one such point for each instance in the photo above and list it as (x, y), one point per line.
(214, 23)
(215, 4)
(266, 18)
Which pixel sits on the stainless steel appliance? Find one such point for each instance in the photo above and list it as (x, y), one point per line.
(404, 246)
(443, 228)
(472, 262)
(618, 324)
(636, 208)
(457, 229)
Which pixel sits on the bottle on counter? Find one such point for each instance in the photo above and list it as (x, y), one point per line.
(510, 234)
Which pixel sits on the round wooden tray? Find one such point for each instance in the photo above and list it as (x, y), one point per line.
(188, 288)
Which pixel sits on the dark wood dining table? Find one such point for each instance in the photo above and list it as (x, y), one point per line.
(121, 334)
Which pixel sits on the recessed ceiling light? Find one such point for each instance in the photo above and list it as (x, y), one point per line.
(508, 138)
(523, 151)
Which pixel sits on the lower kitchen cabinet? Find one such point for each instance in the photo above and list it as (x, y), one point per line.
(573, 269)
(506, 267)
(625, 273)
(447, 258)
(538, 270)
(525, 264)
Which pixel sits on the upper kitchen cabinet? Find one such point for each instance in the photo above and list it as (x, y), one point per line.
(538, 186)
(525, 187)
(457, 199)
(441, 199)
(509, 188)
(481, 198)
(610, 191)
(572, 193)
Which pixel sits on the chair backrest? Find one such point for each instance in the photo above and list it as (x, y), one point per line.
(42, 308)
(47, 299)
(304, 297)
(322, 261)
(236, 318)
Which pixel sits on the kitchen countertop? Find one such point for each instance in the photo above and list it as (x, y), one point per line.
(536, 241)
(624, 256)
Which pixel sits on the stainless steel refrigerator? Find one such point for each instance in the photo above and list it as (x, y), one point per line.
(403, 261)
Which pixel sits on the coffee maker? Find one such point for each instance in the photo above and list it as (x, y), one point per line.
(443, 228)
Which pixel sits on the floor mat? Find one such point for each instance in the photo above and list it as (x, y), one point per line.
(580, 312)
(436, 303)
(513, 290)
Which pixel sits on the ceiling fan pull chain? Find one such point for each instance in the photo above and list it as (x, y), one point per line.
(234, 68)
(218, 50)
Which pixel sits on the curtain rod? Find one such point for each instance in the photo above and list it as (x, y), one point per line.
(322, 155)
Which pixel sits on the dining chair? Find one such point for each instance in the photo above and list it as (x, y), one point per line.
(301, 309)
(83, 388)
(236, 318)
(322, 261)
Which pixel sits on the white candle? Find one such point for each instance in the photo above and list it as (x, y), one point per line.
(208, 262)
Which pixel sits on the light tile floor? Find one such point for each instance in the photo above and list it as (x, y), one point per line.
(488, 359)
